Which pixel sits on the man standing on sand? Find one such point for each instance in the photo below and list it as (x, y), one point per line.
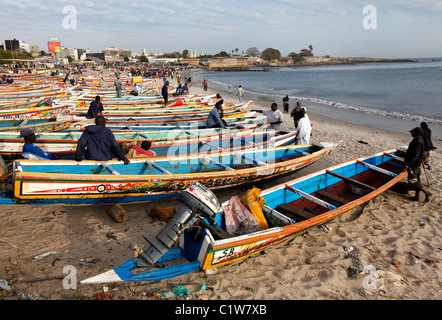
(285, 104)
(413, 160)
(165, 92)
(240, 93)
(304, 128)
(117, 84)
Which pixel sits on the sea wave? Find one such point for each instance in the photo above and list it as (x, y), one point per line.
(356, 108)
(338, 105)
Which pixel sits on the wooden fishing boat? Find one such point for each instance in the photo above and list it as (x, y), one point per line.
(137, 112)
(262, 139)
(289, 210)
(62, 143)
(34, 116)
(151, 179)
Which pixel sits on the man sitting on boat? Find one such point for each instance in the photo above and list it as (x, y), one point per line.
(214, 119)
(30, 150)
(141, 152)
(98, 143)
(95, 109)
(135, 91)
(274, 117)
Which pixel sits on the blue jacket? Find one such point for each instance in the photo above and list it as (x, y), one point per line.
(214, 118)
(32, 152)
(95, 109)
(98, 143)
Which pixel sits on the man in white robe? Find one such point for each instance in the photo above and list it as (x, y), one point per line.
(304, 128)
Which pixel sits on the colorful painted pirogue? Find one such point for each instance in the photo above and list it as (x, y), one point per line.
(92, 182)
(60, 143)
(289, 209)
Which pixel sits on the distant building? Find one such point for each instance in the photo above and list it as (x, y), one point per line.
(24, 46)
(99, 55)
(189, 62)
(92, 61)
(35, 50)
(225, 63)
(12, 45)
(255, 60)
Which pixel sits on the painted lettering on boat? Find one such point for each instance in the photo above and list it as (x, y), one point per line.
(232, 253)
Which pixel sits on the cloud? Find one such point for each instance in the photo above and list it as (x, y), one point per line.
(212, 26)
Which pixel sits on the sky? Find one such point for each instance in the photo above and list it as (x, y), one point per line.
(339, 28)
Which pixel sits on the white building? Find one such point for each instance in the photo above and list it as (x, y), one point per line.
(24, 46)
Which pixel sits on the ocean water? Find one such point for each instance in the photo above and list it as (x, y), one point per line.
(394, 96)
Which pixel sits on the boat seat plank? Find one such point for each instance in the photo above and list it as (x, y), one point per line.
(294, 212)
(157, 166)
(110, 169)
(332, 197)
(207, 159)
(350, 180)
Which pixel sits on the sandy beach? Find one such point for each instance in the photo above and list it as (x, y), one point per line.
(396, 236)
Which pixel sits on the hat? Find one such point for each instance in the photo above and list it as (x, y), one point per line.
(26, 132)
(417, 130)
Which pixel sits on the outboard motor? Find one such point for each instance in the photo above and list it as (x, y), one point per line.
(197, 203)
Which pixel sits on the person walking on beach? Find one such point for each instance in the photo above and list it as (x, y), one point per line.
(428, 147)
(165, 92)
(205, 84)
(30, 150)
(304, 127)
(413, 160)
(118, 84)
(285, 104)
(98, 143)
(240, 93)
(214, 120)
(95, 109)
(230, 87)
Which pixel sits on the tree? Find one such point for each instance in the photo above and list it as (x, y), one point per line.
(296, 57)
(70, 59)
(143, 58)
(271, 54)
(253, 52)
(185, 53)
(222, 54)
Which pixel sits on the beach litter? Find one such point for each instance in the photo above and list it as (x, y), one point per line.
(44, 255)
(111, 235)
(357, 267)
(4, 285)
